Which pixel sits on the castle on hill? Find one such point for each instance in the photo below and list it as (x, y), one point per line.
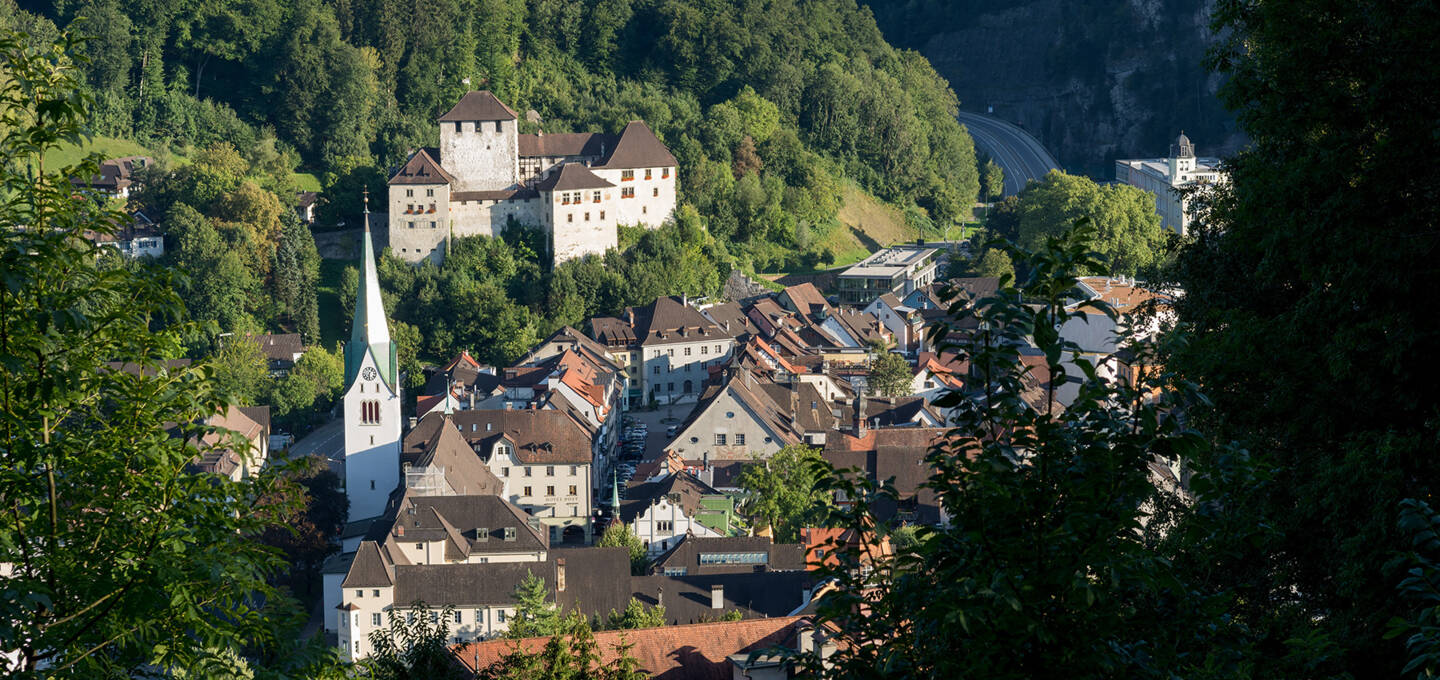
(578, 187)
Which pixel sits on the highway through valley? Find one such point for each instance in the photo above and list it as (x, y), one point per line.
(1018, 153)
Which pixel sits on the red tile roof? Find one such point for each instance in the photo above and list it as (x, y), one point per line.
(694, 652)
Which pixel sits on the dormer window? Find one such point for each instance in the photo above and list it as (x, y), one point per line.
(502, 449)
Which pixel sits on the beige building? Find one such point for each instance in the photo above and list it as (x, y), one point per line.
(485, 175)
(1168, 178)
(668, 348)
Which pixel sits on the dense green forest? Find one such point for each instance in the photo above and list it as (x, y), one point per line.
(767, 106)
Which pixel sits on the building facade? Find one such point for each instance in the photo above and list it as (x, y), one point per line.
(485, 175)
(1168, 179)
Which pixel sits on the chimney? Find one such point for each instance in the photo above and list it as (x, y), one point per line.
(859, 414)
(560, 575)
(717, 596)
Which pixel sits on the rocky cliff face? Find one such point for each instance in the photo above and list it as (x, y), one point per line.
(1094, 81)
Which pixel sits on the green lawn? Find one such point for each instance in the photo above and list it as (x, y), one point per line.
(306, 181)
(333, 324)
(108, 147)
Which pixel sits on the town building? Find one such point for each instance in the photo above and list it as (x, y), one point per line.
(542, 458)
(671, 346)
(896, 454)
(695, 555)
(898, 270)
(239, 447)
(117, 176)
(661, 512)
(305, 204)
(1169, 178)
(486, 176)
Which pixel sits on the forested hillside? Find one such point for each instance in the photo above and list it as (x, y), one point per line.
(767, 106)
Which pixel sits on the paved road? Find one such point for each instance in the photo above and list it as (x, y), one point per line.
(327, 440)
(1018, 153)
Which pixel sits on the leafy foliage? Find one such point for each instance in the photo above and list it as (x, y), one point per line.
(618, 535)
(1422, 585)
(1127, 234)
(1306, 298)
(890, 375)
(120, 561)
(1047, 565)
(413, 645)
(637, 615)
(781, 491)
(535, 614)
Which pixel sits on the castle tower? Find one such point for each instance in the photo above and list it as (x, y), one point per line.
(372, 395)
(480, 144)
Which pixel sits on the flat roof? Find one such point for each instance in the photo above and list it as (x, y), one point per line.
(888, 263)
(1160, 167)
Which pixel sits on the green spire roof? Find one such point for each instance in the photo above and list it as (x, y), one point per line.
(369, 331)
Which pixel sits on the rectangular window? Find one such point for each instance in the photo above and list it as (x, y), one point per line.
(670, 352)
(687, 351)
(457, 617)
(627, 175)
(647, 173)
(527, 470)
(359, 593)
(717, 349)
(664, 173)
(735, 558)
(419, 546)
(500, 616)
(432, 225)
(595, 197)
(739, 439)
(573, 492)
(409, 193)
(719, 440)
(549, 491)
(429, 192)
(434, 617)
(656, 192)
(525, 491)
(676, 571)
(504, 472)
(602, 215)
(669, 387)
(549, 470)
(479, 616)
(570, 217)
(704, 349)
(587, 216)
(409, 207)
(457, 126)
(375, 593)
(664, 526)
(374, 619)
(497, 126)
(574, 470)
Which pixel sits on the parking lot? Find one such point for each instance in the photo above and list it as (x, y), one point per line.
(644, 436)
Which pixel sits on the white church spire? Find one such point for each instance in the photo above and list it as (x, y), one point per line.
(369, 329)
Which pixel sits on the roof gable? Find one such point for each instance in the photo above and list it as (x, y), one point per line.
(478, 105)
(638, 147)
(572, 176)
(422, 169)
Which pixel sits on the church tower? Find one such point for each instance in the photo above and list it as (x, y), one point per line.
(372, 395)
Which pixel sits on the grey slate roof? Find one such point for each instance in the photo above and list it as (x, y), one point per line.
(478, 105)
(638, 147)
(571, 176)
(567, 144)
(540, 436)
(686, 553)
(465, 473)
(686, 486)
(687, 598)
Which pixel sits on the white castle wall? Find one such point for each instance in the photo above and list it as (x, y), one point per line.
(415, 231)
(481, 157)
(654, 198)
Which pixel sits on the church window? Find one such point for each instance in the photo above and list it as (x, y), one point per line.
(647, 173)
(627, 175)
(369, 412)
(596, 197)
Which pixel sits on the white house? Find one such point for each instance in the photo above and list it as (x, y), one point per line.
(662, 512)
(672, 344)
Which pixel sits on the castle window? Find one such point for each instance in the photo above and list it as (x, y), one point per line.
(664, 173)
(627, 192)
(429, 192)
(526, 492)
(627, 175)
(644, 209)
(587, 217)
(497, 126)
(457, 126)
(432, 207)
(657, 192)
(570, 217)
(647, 173)
(596, 199)
(409, 193)
(602, 215)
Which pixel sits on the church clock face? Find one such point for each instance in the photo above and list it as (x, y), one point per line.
(368, 373)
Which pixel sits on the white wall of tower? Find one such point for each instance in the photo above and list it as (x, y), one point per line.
(482, 155)
(372, 449)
